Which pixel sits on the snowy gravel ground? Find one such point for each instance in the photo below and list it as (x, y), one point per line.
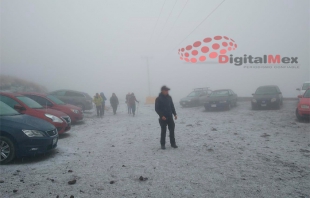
(236, 153)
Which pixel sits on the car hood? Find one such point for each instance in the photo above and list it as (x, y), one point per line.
(217, 98)
(23, 121)
(304, 101)
(52, 112)
(69, 106)
(265, 96)
(187, 98)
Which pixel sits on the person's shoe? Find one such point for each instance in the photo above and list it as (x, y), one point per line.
(174, 146)
(163, 147)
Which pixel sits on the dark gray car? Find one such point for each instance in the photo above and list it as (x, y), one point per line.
(195, 98)
(221, 99)
(267, 97)
(77, 98)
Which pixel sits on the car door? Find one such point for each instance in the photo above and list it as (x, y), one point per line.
(234, 96)
(75, 98)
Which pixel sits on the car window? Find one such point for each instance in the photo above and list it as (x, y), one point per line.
(266, 90)
(6, 110)
(9, 101)
(55, 100)
(305, 86)
(59, 93)
(29, 102)
(307, 94)
(42, 101)
(219, 93)
(74, 94)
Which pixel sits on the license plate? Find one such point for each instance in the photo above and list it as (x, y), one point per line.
(54, 141)
(213, 105)
(263, 105)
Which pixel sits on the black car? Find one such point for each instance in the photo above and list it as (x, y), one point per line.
(23, 135)
(267, 97)
(195, 98)
(221, 99)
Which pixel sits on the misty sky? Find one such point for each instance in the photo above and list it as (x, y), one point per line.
(95, 46)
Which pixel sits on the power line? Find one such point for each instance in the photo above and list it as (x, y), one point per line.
(198, 25)
(168, 18)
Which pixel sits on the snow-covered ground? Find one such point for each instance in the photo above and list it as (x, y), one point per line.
(237, 153)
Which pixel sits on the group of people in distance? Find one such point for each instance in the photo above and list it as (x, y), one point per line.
(99, 101)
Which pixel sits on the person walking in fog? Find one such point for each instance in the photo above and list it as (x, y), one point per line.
(164, 107)
(132, 103)
(98, 102)
(103, 102)
(114, 102)
(127, 101)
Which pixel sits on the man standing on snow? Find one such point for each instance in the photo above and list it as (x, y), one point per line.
(164, 107)
(103, 103)
(132, 103)
(98, 102)
(127, 101)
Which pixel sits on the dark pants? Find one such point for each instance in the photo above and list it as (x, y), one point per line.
(163, 124)
(99, 108)
(133, 108)
(102, 108)
(114, 108)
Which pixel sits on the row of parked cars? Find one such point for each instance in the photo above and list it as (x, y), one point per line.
(264, 97)
(31, 122)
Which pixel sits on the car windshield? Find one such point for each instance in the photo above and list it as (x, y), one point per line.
(219, 93)
(29, 102)
(193, 94)
(307, 94)
(305, 86)
(56, 100)
(266, 90)
(6, 110)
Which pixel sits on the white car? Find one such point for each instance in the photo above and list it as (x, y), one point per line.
(304, 87)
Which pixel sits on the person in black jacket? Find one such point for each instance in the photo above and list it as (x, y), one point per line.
(114, 102)
(164, 107)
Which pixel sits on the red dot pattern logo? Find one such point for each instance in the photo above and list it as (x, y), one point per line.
(207, 49)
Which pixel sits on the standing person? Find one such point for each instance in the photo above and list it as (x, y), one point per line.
(103, 102)
(164, 107)
(127, 101)
(114, 102)
(132, 103)
(98, 102)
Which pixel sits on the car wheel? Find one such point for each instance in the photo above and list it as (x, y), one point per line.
(299, 118)
(7, 150)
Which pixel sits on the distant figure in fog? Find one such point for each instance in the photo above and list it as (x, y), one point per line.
(114, 102)
(98, 102)
(103, 102)
(164, 107)
(132, 103)
(127, 101)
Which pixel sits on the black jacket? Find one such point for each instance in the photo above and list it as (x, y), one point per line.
(114, 101)
(164, 106)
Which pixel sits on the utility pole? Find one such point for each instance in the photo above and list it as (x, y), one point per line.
(148, 73)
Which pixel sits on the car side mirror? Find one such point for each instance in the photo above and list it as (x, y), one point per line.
(299, 96)
(19, 107)
(298, 89)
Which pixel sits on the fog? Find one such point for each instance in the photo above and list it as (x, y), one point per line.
(95, 46)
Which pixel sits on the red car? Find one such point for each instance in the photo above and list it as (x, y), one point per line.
(303, 108)
(27, 106)
(52, 102)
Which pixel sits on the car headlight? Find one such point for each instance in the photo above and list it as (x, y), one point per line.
(253, 100)
(75, 110)
(304, 106)
(33, 133)
(224, 101)
(54, 118)
(273, 99)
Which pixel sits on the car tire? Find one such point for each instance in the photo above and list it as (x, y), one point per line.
(6, 148)
(299, 118)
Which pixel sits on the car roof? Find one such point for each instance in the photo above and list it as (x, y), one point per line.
(32, 93)
(67, 90)
(268, 86)
(307, 82)
(222, 90)
(10, 94)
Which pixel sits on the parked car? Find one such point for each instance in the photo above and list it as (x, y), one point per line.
(221, 99)
(23, 135)
(77, 98)
(195, 98)
(303, 88)
(52, 102)
(26, 105)
(267, 97)
(303, 107)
